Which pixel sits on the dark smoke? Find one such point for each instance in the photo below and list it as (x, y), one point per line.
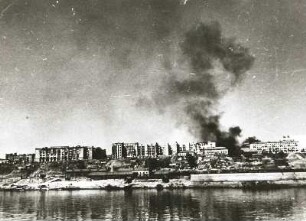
(198, 93)
(205, 44)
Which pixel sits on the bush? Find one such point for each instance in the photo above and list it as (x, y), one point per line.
(165, 179)
(6, 168)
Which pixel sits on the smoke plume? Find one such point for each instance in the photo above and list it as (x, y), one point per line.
(212, 65)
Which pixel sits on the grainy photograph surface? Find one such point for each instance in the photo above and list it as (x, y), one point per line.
(152, 110)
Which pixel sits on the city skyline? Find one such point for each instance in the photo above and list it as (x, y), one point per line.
(175, 147)
(73, 72)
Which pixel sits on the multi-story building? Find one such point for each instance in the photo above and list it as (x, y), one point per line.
(118, 150)
(151, 151)
(133, 150)
(209, 152)
(180, 148)
(168, 151)
(154, 150)
(141, 151)
(125, 150)
(3, 161)
(199, 147)
(286, 145)
(63, 153)
(20, 158)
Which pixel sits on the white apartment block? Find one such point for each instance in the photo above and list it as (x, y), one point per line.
(286, 145)
(133, 150)
(208, 148)
(63, 153)
(199, 147)
(209, 152)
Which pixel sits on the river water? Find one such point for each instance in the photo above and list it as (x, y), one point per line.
(201, 204)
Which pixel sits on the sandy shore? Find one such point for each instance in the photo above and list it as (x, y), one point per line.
(230, 180)
(110, 184)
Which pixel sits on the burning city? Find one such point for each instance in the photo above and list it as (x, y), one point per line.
(133, 165)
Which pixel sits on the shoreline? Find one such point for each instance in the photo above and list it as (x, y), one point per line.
(120, 184)
(271, 180)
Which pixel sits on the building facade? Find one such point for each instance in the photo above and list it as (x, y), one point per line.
(210, 152)
(286, 145)
(20, 158)
(118, 151)
(63, 153)
(168, 151)
(141, 151)
(180, 148)
(133, 150)
(200, 147)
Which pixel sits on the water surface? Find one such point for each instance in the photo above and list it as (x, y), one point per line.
(204, 204)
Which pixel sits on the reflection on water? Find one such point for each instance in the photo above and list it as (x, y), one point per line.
(209, 204)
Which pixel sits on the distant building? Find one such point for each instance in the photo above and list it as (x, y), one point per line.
(286, 145)
(141, 172)
(180, 148)
(65, 153)
(250, 153)
(154, 151)
(209, 152)
(118, 151)
(168, 151)
(126, 150)
(136, 150)
(185, 153)
(20, 158)
(199, 147)
(131, 149)
(207, 149)
(3, 161)
(141, 151)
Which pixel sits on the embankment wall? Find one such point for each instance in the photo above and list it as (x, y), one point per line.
(249, 177)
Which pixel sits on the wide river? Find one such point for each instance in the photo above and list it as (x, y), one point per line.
(201, 204)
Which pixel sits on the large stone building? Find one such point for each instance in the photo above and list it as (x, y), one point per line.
(66, 153)
(209, 152)
(180, 148)
(20, 158)
(118, 151)
(133, 150)
(285, 145)
(168, 151)
(207, 149)
(154, 150)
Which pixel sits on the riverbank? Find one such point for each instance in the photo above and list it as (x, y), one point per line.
(222, 180)
(120, 184)
(84, 184)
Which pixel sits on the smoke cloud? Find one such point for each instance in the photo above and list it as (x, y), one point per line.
(212, 64)
(72, 71)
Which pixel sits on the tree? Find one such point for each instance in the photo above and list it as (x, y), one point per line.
(192, 160)
(281, 155)
(164, 162)
(99, 154)
(80, 164)
(151, 164)
(267, 154)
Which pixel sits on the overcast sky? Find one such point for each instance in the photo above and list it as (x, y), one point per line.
(72, 71)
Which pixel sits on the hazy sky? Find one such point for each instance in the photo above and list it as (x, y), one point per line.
(72, 71)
